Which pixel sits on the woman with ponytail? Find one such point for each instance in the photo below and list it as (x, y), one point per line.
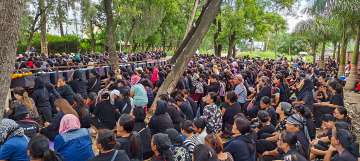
(38, 149)
(343, 143)
(160, 145)
(22, 97)
(127, 139)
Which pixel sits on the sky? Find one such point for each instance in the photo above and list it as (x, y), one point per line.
(296, 15)
(292, 18)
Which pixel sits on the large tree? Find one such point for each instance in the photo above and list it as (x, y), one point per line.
(43, 30)
(189, 46)
(110, 36)
(11, 11)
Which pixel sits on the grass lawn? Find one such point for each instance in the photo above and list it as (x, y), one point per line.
(261, 54)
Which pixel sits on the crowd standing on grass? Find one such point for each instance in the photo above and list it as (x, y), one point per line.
(221, 110)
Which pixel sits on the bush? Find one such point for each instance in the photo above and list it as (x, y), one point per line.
(56, 44)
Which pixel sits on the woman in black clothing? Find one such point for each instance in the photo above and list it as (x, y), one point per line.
(65, 90)
(263, 88)
(78, 84)
(139, 116)
(160, 145)
(213, 84)
(161, 119)
(128, 139)
(265, 128)
(105, 114)
(287, 143)
(279, 82)
(336, 100)
(204, 152)
(38, 149)
(81, 109)
(42, 100)
(341, 114)
(305, 94)
(94, 83)
(233, 109)
(343, 143)
(105, 142)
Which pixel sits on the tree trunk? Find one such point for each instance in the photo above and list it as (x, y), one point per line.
(313, 50)
(217, 44)
(60, 16)
(192, 17)
(110, 36)
(11, 11)
(338, 53)
(189, 46)
(344, 44)
(231, 44)
(188, 28)
(334, 48)
(128, 37)
(322, 56)
(353, 77)
(44, 43)
(92, 37)
(134, 47)
(234, 51)
(29, 40)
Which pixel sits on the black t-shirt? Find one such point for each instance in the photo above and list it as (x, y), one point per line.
(120, 156)
(266, 131)
(230, 112)
(337, 99)
(344, 156)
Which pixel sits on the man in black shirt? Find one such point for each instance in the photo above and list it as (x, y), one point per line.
(105, 142)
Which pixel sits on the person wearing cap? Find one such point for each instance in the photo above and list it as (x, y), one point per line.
(138, 92)
(22, 118)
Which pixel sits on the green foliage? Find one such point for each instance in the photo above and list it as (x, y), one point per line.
(291, 45)
(56, 44)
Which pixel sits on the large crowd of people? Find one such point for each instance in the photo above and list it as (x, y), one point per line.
(43, 63)
(222, 109)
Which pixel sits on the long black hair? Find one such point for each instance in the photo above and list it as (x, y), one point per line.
(163, 144)
(128, 123)
(203, 152)
(39, 149)
(161, 107)
(347, 141)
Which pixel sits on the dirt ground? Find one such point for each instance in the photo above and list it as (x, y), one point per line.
(352, 103)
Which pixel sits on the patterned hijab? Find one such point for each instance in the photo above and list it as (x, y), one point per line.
(9, 128)
(69, 122)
